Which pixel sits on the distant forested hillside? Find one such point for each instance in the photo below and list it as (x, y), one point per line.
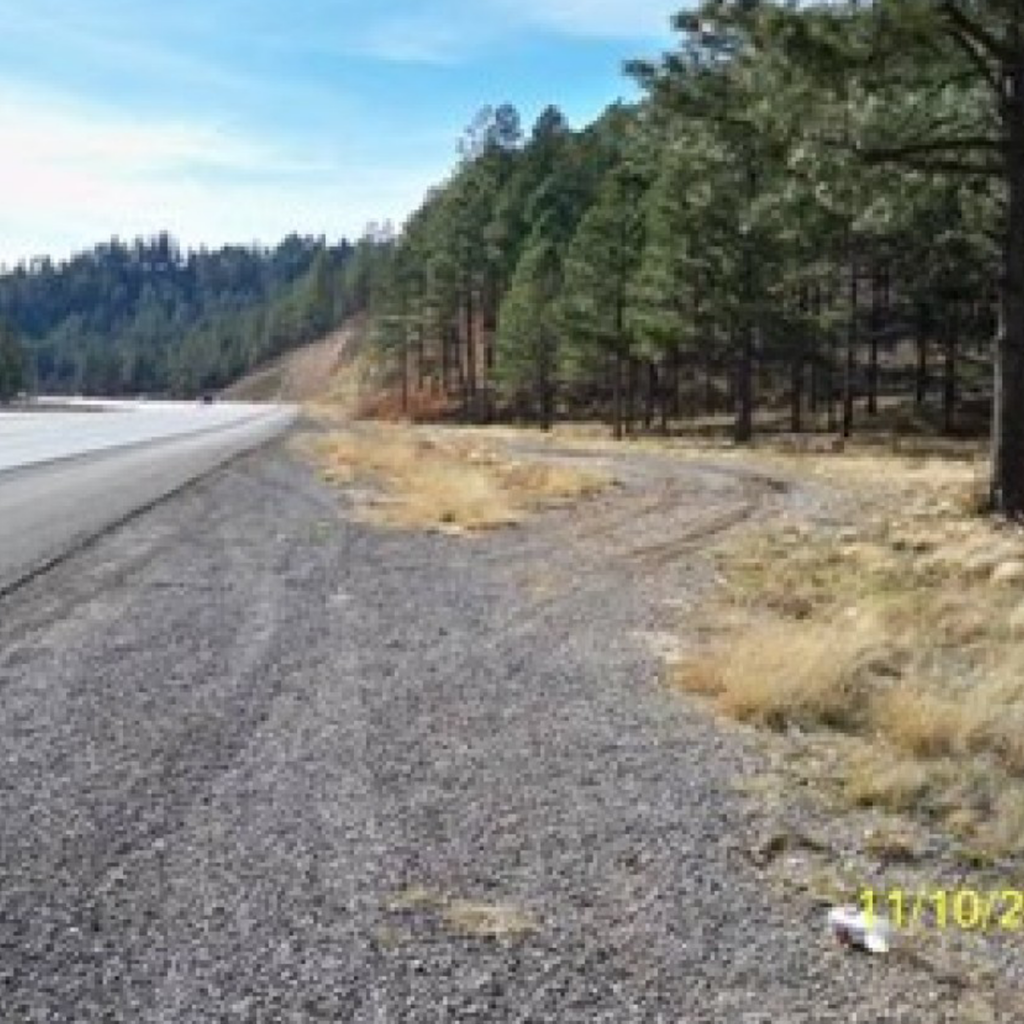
(146, 317)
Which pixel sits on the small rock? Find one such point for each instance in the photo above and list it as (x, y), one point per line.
(1008, 572)
(982, 563)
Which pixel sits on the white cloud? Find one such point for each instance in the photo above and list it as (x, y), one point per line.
(74, 172)
(72, 176)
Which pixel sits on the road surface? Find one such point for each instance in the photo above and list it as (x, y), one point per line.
(65, 476)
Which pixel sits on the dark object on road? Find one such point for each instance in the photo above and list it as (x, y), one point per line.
(207, 399)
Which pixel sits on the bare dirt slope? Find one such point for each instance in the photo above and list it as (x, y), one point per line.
(304, 375)
(266, 762)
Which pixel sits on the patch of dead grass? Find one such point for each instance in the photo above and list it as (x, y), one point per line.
(783, 673)
(488, 920)
(472, 918)
(897, 633)
(444, 480)
(894, 785)
(919, 722)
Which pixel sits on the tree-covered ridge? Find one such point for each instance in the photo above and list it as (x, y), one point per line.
(822, 203)
(146, 317)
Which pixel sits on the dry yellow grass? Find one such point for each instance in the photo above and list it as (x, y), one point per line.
(782, 673)
(900, 785)
(445, 480)
(473, 918)
(902, 633)
(920, 723)
(488, 920)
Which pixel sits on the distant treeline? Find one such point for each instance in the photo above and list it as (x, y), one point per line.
(145, 317)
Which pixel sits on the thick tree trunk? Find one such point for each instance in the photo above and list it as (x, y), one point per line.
(744, 396)
(952, 332)
(460, 367)
(445, 360)
(543, 398)
(470, 347)
(1008, 408)
(876, 326)
(631, 395)
(796, 393)
(921, 384)
(851, 354)
(797, 367)
(873, 379)
(650, 394)
(677, 398)
(830, 383)
(1008, 435)
(815, 390)
(617, 397)
(743, 430)
(406, 348)
(669, 380)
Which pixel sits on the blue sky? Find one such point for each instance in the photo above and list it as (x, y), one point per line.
(242, 120)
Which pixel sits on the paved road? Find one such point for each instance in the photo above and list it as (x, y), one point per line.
(67, 476)
(59, 428)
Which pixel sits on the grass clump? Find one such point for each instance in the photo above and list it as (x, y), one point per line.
(786, 673)
(488, 920)
(443, 480)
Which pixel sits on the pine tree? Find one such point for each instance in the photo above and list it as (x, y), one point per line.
(529, 327)
(600, 262)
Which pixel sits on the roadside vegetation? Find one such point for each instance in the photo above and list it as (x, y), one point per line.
(409, 474)
(417, 477)
(898, 640)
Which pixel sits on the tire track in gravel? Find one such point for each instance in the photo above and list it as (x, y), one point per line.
(98, 829)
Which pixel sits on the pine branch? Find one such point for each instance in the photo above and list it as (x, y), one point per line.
(910, 150)
(970, 29)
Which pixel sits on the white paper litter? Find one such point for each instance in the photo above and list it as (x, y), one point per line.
(852, 927)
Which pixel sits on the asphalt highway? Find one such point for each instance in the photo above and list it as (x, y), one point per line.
(66, 476)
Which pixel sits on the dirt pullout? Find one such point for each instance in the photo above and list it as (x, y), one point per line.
(267, 762)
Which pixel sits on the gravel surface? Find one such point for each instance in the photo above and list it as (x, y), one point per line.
(264, 763)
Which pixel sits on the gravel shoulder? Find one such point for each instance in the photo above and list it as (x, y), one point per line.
(263, 762)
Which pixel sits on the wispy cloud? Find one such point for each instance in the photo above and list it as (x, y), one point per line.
(242, 120)
(80, 174)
